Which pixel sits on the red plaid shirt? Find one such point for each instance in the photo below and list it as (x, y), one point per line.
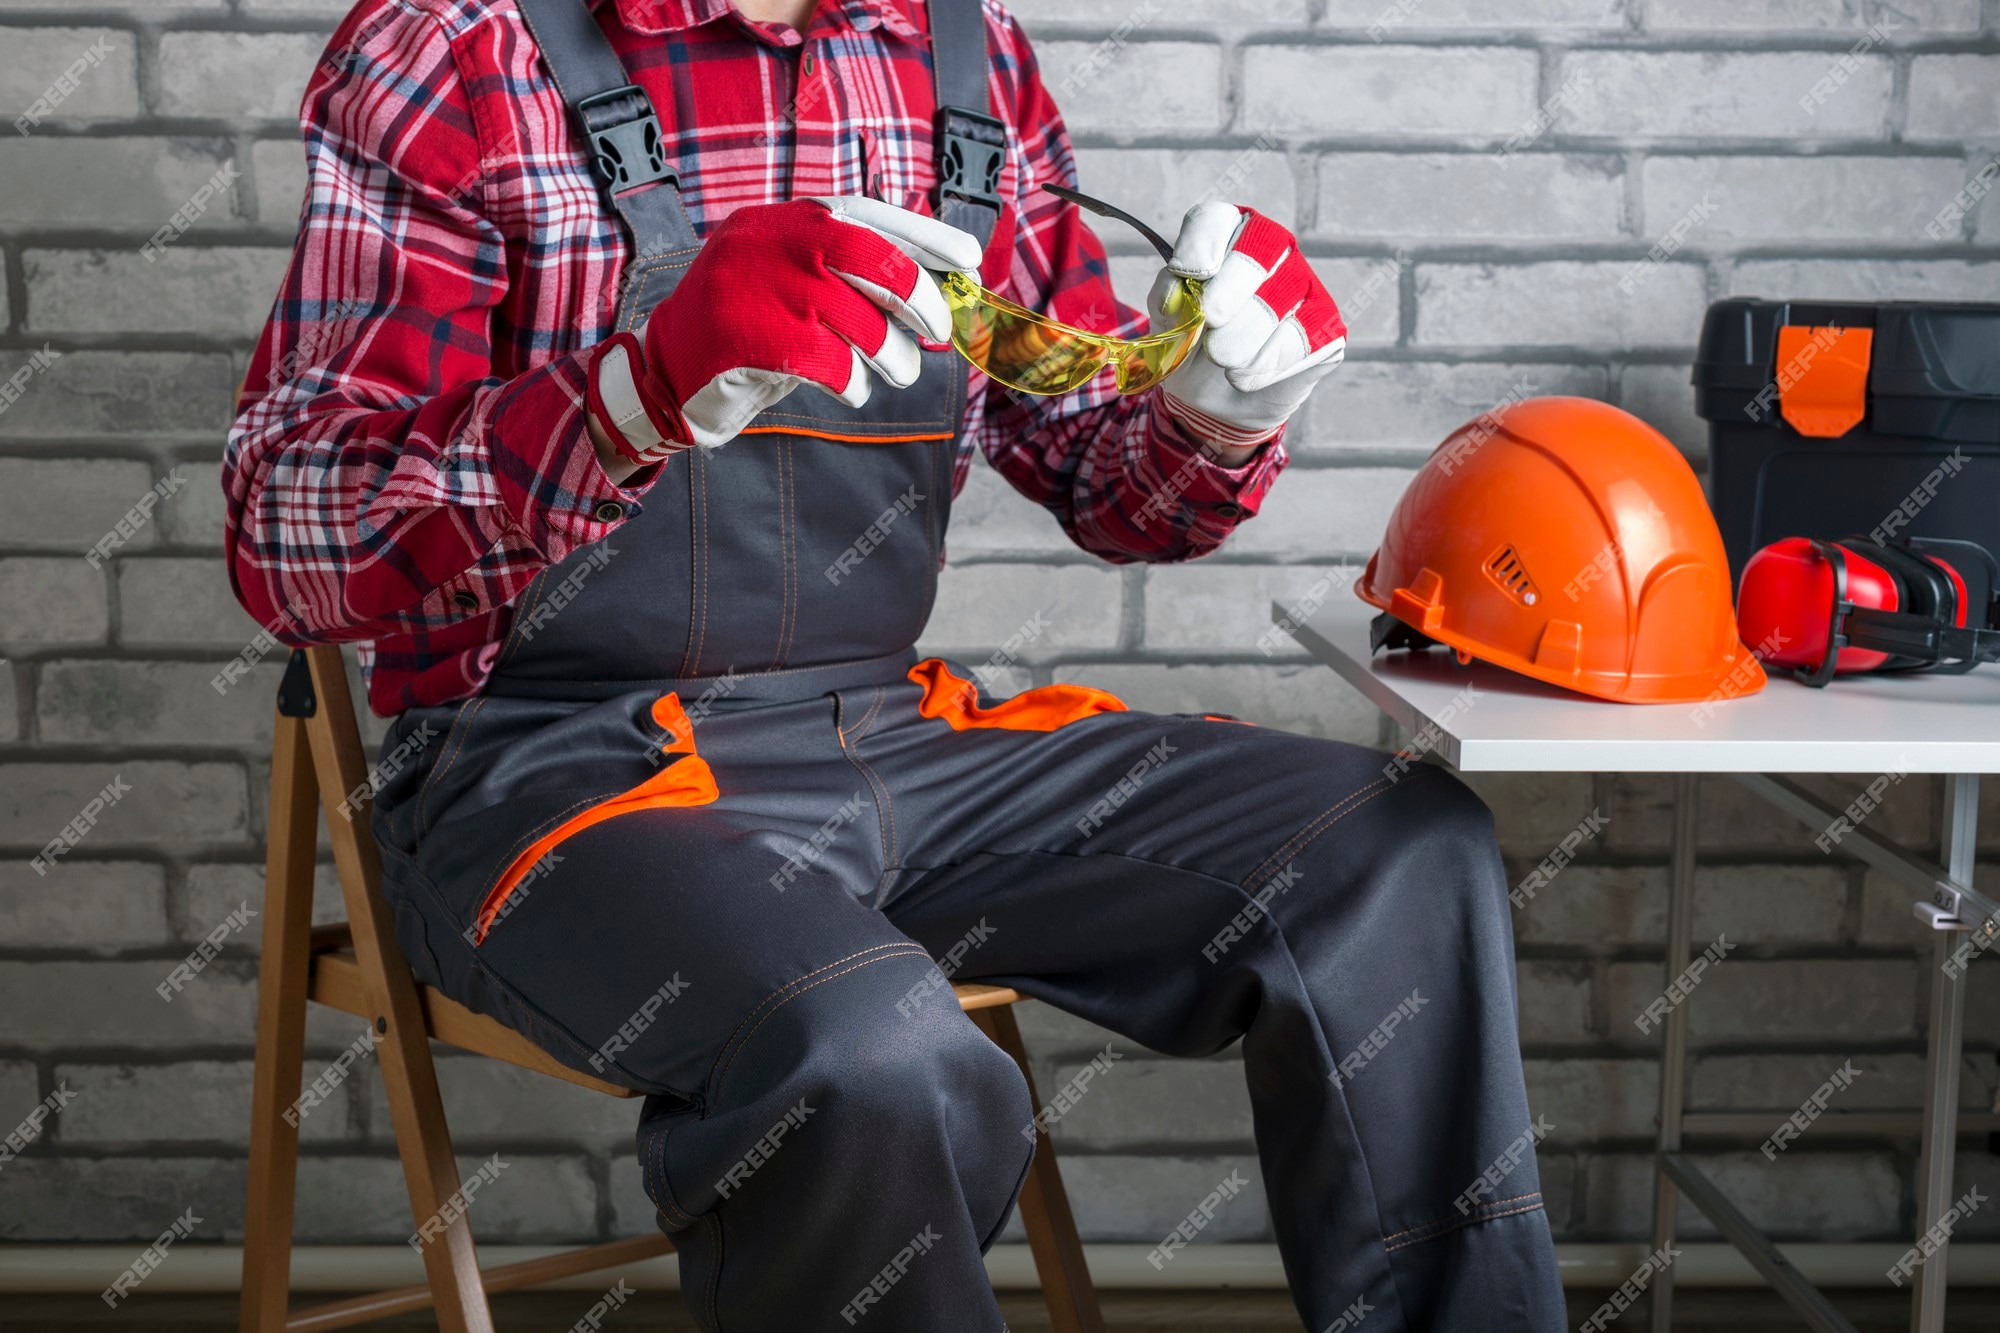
(411, 447)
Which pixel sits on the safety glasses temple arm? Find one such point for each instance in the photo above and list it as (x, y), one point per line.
(1102, 209)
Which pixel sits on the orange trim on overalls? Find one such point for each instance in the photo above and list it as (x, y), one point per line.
(687, 781)
(844, 439)
(956, 701)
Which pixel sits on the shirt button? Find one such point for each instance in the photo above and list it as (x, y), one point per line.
(1228, 510)
(465, 601)
(610, 512)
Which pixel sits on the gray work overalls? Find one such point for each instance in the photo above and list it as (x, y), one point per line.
(709, 825)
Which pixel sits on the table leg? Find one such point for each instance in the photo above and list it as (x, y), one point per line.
(1947, 1038)
(1673, 1044)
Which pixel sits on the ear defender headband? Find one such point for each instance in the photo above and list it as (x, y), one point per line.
(1821, 607)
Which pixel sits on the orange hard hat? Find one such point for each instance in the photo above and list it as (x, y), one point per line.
(1569, 541)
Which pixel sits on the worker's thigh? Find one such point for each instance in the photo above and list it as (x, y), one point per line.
(651, 947)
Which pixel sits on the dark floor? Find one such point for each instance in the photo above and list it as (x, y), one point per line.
(660, 1312)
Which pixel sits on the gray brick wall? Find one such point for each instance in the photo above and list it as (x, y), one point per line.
(1374, 128)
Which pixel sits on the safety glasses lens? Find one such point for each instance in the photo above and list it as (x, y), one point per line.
(1014, 346)
(1033, 354)
(1144, 362)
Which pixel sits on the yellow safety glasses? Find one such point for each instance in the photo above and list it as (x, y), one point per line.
(1036, 354)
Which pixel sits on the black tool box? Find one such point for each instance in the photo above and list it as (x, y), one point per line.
(1830, 418)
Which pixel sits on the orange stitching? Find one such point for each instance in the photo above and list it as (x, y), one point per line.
(1333, 814)
(530, 598)
(788, 551)
(913, 951)
(423, 796)
(943, 464)
(655, 264)
(886, 807)
(1495, 1203)
(1319, 826)
(698, 610)
(878, 791)
(868, 718)
(1531, 1194)
(710, 1082)
(1305, 834)
(815, 417)
(1461, 1225)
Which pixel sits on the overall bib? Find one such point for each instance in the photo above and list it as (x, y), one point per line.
(711, 826)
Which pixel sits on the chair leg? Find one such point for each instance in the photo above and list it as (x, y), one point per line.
(409, 1078)
(1045, 1213)
(282, 975)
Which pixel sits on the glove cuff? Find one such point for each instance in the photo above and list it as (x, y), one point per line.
(643, 427)
(1212, 429)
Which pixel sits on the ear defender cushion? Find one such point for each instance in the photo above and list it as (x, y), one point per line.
(1926, 589)
(1874, 580)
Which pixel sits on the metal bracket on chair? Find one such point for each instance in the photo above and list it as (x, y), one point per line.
(295, 691)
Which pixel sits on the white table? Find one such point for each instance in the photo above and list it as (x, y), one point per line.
(1861, 725)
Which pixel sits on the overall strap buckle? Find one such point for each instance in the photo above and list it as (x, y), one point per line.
(625, 138)
(971, 149)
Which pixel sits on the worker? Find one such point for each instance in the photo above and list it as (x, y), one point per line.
(614, 402)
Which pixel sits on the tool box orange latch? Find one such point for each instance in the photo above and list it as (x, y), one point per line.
(1823, 378)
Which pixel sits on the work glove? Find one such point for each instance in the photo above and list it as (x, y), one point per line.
(806, 292)
(1272, 328)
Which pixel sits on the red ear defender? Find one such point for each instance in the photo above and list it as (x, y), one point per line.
(1783, 603)
(1821, 608)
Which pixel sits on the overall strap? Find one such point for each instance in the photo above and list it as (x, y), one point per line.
(971, 145)
(617, 120)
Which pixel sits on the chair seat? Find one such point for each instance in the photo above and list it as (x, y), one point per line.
(337, 981)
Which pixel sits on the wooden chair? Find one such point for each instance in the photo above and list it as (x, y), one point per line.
(358, 969)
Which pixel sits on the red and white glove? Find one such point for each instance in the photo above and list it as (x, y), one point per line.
(780, 295)
(1273, 329)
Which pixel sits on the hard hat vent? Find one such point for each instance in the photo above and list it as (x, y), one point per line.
(1504, 567)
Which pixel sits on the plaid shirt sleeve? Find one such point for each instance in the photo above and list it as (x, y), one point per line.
(1126, 482)
(384, 475)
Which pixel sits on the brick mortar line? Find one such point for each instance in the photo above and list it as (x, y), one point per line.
(136, 21)
(1440, 354)
(135, 447)
(1562, 42)
(151, 654)
(162, 552)
(1556, 143)
(1555, 42)
(1423, 249)
(1246, 31)
(1563, 144)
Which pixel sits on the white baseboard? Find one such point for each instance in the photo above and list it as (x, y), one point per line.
(339, 1268)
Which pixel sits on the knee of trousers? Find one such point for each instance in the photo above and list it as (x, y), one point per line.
(892, 1082)
(1423, 846)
